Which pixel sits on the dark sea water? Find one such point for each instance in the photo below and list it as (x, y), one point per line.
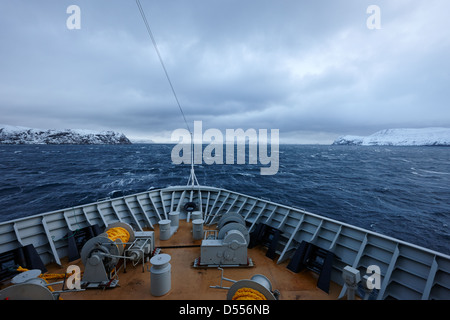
(402, 192)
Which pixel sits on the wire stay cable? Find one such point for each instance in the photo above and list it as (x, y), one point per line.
(192, 178)
(150, 33)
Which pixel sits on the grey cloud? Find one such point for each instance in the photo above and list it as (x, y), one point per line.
(299, 66)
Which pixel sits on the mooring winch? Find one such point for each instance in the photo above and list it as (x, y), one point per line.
(228, 246)
(258, 287)
(101, 254)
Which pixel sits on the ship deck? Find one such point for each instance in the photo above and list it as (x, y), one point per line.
(405, 271)
(193, 283)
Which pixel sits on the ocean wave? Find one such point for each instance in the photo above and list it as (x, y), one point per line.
(125, 182)
(388, 190)
(7, 191)
(434, 172)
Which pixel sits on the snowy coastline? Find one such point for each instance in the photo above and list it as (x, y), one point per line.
(400, 137)
(23, 135)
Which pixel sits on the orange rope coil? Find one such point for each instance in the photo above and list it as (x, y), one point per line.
(118, 233)
(248, 294)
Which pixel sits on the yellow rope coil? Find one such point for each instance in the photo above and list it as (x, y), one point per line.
(118, 233)
(248, 294)
(46, 277)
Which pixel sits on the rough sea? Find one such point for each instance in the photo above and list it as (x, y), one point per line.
(402, 192)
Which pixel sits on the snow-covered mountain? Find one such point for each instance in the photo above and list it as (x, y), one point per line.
(22, 135)
(400, 137)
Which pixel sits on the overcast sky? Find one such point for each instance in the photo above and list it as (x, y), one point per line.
(312, 69)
